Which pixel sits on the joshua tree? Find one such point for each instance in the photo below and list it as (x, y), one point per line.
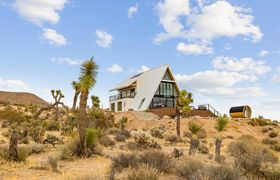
(182, 107)
(87, 81)
(194, 128)
(76, 87)
(13, 148)
(220, 126)
(57, 95)
(95, 102)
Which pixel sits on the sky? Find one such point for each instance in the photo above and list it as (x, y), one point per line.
(225, 52)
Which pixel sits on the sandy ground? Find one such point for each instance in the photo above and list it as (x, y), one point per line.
(97, 167)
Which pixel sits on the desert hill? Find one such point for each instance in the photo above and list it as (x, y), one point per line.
(21, 98)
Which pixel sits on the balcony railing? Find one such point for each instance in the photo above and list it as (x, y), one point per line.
(122, 96)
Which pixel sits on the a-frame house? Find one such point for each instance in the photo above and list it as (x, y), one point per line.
(151, 89)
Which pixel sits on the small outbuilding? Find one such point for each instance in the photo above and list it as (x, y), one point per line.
(240, 112)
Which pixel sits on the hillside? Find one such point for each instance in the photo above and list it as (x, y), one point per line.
(21, 98)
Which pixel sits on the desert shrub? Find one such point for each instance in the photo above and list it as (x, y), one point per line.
(12, 116)
(53, 163)
(203, 149)
(122, 122)
(69, 150)
(264, 129)
(36, 149)
(271, 173)
(159, 131)
(221, 124)
(126, 133)
(4, 153)
(190, 168)
(223, 172)
(120, 137)
(106, 141)
(158, 160)
(113, 130)
(273, 134)
(276, 147)
(53, 126)
(92, 136)
(123, 161)
(142, 173)
(36, 133)
(251, 155)
(101, 119)
(53, 140)
(202, 134)
(23, 153)
(172, 138)
(69, 125)
(142, 137)
(269, 141)
(230, 137)
(259, 122)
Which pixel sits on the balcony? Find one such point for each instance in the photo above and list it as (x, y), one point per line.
(122, 96)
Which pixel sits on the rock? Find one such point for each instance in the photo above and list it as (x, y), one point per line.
(166, 117)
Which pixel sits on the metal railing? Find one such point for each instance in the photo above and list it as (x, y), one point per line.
(122, 96)
(210, 108)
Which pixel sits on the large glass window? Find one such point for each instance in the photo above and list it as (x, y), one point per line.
(166, 89)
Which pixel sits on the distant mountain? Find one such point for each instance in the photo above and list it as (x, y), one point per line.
(21, 98)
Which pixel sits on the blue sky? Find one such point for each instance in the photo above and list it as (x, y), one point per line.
(225, 52)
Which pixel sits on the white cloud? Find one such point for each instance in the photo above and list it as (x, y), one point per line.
(276, 77)
(115, 68)
(195, 49)
(132, 10)
(103, 39)
(246, 66)
(40, 11)
(66, 61)
(142, 69)
(170, 12)
(13, 85)
(263, 53)
(222, 19)
(54, 38)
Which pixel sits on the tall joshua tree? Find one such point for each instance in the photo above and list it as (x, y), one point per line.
(95, 102)
(182, 107)
(76, 87)
(220, 126)
(87, 81)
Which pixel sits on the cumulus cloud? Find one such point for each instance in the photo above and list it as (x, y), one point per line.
(276, 77)
(205, 22)
(170, 12)
(40, 11)
(248, 66)
(54, 38)
(115, 68)
(222, 19)
(132, 10)
(68, 61)
(226, 79)
(104, 39)
(195, 49)
(263, 53)
(13, 85)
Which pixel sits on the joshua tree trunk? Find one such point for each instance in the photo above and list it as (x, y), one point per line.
(178, 125)
(83, 122)
(193, 145)
(218, 149)
(75, 100)
(13, 148)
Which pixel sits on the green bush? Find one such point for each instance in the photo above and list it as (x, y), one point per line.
(194, 127)
(122, 122)
(221, 124)
(92, 136)
(101, 119)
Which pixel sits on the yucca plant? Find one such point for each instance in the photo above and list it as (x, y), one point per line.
(194, 128)
(87, 80)
(220, 126)
(182, 107)
(95, 101)
(76, 87)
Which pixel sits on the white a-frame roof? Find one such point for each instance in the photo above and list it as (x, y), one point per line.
(147, 84)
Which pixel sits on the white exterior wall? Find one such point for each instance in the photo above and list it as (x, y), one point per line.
(126, 104)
